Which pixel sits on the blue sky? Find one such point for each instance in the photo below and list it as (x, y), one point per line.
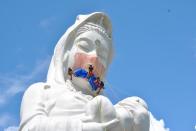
(155, 45)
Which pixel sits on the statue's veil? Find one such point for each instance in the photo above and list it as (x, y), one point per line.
(59, 62)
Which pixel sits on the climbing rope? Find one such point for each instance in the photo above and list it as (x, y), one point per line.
(114, 94)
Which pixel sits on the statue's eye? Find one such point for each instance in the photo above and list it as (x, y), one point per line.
(85, 46)
(97, 43)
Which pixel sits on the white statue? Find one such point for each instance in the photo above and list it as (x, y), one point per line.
(61, 104)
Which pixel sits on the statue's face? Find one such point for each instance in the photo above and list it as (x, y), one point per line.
(91, 48)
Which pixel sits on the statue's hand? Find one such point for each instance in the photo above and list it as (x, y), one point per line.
(99, 109)
(100, 115)
(133, 114)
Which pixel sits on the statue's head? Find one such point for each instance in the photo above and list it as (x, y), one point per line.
(92, 46)
(87, 42)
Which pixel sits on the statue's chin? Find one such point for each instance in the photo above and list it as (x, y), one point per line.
(81, 84)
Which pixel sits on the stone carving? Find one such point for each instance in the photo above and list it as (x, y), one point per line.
(61, 104)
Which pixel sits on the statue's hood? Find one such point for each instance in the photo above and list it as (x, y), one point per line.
(57, 72)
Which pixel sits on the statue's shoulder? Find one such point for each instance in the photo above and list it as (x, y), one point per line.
(35, 89)
(33, 95)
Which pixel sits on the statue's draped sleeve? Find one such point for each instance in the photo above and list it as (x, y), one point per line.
(34, 115)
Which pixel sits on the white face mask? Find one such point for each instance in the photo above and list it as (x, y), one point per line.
(83, 60)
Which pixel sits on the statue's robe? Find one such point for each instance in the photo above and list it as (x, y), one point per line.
(48, 108)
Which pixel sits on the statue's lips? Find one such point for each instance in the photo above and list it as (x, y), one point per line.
(83, 61)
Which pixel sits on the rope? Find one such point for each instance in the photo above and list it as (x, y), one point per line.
(120, 91)
(116, 97)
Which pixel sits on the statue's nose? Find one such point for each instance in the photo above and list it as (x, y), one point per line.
(93, 53)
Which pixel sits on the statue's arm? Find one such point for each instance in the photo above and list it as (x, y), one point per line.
(34, 116)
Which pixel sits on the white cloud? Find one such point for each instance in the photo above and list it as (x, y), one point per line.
(11, 128)
(156, 125)
(46, 23)
(12, 84)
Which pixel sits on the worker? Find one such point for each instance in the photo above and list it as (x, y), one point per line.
(70, 73)
(101, 86)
